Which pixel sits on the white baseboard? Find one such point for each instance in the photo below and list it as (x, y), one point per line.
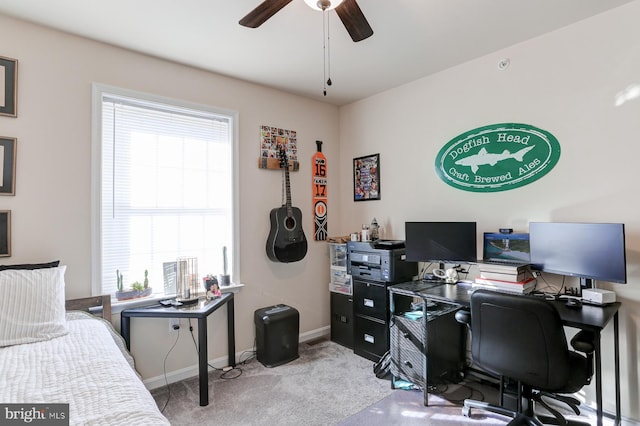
(221, 362)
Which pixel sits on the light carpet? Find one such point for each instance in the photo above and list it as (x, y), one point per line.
(326, 384)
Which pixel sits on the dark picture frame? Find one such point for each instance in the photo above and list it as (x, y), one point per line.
(9, 86)
(366, 178)
(7, 165)
(5, 233)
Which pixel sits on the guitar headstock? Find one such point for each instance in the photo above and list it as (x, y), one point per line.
(284, 161)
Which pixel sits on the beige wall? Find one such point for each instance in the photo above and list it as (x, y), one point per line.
(564, 82)
(51, 210)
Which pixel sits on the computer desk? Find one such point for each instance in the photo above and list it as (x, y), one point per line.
(589, 317)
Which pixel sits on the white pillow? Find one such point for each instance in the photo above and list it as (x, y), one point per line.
(32, 306)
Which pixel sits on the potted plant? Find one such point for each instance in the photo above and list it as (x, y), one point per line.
(137, 289)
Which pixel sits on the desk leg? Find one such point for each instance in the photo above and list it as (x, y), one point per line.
(616, 348)
(231, 333)
(202, 360)
(125, 330)
(598, 383)
(425, 321)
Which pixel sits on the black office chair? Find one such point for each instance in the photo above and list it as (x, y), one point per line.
(522, 339)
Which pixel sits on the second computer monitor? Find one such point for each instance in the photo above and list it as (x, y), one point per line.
(443, 242)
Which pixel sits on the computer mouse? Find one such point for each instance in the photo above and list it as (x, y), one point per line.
(574, 303)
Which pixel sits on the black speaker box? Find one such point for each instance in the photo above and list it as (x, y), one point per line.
(277, 331)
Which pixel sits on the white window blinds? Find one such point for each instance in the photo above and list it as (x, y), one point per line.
(166, 189)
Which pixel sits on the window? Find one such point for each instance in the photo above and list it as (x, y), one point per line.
(163, 188)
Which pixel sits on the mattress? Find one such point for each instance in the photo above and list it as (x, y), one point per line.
(88, 368)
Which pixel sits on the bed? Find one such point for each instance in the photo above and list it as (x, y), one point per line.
(52, 351)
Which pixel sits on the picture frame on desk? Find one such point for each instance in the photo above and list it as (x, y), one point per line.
(8, 87)
(366, 178)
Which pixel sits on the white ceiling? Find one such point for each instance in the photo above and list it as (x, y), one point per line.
(412, 38)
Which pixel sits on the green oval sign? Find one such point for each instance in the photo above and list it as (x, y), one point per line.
(498, 157)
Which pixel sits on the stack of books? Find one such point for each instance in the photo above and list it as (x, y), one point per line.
(505, 277)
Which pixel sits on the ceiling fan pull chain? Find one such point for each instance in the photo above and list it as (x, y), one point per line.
(324, 51)
(329, 50)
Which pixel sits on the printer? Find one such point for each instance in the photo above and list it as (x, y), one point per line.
(380, 260)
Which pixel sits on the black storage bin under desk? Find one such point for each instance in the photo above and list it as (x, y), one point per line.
(277, 331)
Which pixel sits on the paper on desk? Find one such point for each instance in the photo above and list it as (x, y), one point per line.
(414, 315)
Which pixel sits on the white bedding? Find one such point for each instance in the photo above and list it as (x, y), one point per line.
(86, 369)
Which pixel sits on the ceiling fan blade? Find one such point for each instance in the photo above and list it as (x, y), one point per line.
(354, 20)
(264, 11)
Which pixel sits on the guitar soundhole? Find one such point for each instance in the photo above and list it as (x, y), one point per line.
(290, 223)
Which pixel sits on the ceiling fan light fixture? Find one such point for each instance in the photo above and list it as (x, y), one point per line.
(323, 4)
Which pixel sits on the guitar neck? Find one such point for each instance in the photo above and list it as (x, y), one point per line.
(288, 188)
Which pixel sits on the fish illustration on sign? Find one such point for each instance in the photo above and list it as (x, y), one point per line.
(483, 158)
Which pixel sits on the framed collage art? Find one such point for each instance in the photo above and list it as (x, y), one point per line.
(366, 178)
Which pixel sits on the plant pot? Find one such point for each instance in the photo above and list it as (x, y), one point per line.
(133, 294)
(126, 294)
(224, 280)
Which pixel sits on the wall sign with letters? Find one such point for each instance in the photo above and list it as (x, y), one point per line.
(497, 157)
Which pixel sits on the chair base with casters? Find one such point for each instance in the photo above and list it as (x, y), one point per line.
(524, 413)
(518, 418)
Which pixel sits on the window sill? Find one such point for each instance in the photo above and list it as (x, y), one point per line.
(117, 306)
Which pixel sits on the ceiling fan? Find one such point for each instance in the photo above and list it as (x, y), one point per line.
(348, 10)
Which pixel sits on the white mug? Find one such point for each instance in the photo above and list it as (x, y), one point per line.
(451, 275)
(440, 273)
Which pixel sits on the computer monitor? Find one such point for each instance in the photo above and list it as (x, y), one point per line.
(590, 251)
(506, 247)
(442, 242)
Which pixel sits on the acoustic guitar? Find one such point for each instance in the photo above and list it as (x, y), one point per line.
(286, 242)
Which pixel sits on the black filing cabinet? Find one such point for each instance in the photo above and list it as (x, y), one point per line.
(373, 267)
(371, 327)
(342, 319)
(371, 319)
(341, 300)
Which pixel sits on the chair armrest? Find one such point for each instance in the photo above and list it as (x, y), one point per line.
(584, 341)
(463, 316)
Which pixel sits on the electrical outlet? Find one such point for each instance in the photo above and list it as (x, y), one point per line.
(174, 325)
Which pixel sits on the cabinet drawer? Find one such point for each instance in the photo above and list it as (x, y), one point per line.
(370, 338)
(370, 299)
(407, 358)
(444, 342)
(342, 319)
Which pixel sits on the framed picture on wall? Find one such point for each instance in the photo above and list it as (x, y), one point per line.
(8, 86)
(5, 233)
(366, 178)
(7, 166)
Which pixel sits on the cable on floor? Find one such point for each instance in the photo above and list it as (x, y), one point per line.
(225, 374)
